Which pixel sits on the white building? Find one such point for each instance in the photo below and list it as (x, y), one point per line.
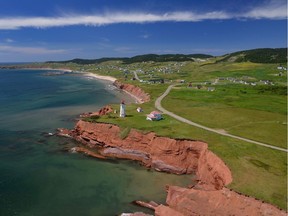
(122, 109)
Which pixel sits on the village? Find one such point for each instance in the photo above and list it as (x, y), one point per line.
(160, 73)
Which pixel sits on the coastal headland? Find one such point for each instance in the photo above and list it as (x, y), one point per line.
(207, 194)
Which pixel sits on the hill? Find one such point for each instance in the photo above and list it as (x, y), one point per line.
(139, 58)
(264, 55)
(88, 61)
(165, 58)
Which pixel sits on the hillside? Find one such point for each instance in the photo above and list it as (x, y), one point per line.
(139, 58)
(264, 55)
(87, 61)
(165, 58)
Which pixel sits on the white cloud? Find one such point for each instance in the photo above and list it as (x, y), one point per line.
(106, 19)
(274, 9)
(30, 50)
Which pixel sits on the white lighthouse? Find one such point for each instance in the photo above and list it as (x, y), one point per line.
(122, 109)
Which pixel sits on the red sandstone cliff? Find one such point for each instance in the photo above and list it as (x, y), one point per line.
(103, 111)
(208, 197)
(183, 201)
(133, 90)
(160, 153)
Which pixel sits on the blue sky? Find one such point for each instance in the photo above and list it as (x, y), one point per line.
(34, 30)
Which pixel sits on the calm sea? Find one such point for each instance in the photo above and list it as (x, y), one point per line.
(38, 177)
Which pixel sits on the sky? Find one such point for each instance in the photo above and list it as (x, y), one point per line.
(44, 30)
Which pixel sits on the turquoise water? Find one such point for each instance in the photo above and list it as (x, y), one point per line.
(38, 176)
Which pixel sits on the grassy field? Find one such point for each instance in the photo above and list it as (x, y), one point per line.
(237, 110)
(254, 112)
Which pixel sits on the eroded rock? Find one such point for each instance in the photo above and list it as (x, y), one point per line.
(214, 202)
(133, 90)
(177, 156)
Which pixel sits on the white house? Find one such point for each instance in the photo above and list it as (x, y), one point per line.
(154, 116)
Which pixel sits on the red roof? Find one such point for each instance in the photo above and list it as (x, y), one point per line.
(155, 112)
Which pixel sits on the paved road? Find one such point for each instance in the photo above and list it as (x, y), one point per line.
(159, 107)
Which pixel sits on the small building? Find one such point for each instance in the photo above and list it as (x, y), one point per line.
(154, 116)
(154, 81)
(139, 109)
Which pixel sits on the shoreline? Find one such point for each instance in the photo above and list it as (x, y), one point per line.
(110, 79)
(97, 76)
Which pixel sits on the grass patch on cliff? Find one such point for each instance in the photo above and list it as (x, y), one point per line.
(124, 132)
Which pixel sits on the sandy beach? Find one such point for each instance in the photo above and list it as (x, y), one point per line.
(97, 76)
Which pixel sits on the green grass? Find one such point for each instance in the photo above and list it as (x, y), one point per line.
(198, 72)
(261, 117)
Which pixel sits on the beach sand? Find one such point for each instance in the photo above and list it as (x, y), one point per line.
(97, 76)
(112, 79)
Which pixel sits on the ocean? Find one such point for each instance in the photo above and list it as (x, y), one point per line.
(38, 176)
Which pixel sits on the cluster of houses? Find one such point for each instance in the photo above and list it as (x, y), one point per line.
(243, 81)
(167, 69)
(150, 76)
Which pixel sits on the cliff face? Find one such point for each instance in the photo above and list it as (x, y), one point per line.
(133, 90)
(103, 111)
(214, 202)
(208, 197)
(160, 153)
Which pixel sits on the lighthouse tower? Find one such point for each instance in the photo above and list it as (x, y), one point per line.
(122, 109)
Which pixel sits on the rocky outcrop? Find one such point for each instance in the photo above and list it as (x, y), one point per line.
(103, 111)
(133, 90)
(177, 156)
(183, 201)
